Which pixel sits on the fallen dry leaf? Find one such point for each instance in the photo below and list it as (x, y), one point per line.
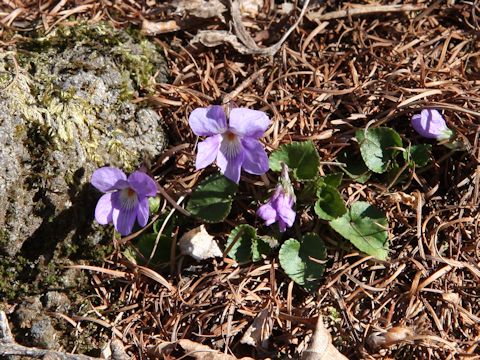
(212, 38)
(162, 27)
(250, 8)
(260, 330)
(395, 335)
(321, 347)
(199, 244)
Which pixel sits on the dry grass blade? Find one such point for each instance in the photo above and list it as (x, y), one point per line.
(110, 272)
(156, 277)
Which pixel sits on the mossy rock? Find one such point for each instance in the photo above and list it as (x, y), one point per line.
(66, 109)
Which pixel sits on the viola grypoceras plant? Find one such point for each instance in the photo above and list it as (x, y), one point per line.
(279, 207)
(233, 144)
(125, 199)
(431, 124)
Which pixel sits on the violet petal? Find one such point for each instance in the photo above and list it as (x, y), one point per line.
(143, 184)
(267, 213)
(282, 225)
(247, 122)
(430, 124)
(116, 202)
(230, 167)
(208, 121)
(123, 221)
(106, 178)
(103, 210)
(256, 159)
(284, 210)
(207, 151)
(143, 211)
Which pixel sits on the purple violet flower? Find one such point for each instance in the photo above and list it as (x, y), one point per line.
(125, 199)
(431, 124)
(279, 206)
(234, 145)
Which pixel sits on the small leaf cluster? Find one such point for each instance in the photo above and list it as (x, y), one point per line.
(365, 226)
(362, 224)
(379, 150)
(303, 259)
(245, 245)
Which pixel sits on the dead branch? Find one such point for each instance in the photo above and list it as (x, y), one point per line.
(241, 40)
(363, 10)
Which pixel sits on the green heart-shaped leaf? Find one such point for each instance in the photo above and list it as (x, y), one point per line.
(248, 246)
(301, 157)
(330, 204)
(365, 227)
(334, 179)
(354, 167)
(418, 155)
(212, 199)
(297, 260)
(377, 147)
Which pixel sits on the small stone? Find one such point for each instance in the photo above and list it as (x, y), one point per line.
(56, 301)
(43, 334)
(27, 312)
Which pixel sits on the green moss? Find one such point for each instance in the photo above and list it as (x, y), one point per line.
(4, 238)
(12, 286)
(5, 79)
(333, 314)
(52, 113)
(127, 93)
(51, 276)
(101, 252)
(140, 58)
(88, 341)
(141, 64)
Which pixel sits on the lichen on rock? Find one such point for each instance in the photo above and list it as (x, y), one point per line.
(66, 109)
(82, 79)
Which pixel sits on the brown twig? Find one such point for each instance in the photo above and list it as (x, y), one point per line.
(363, 10)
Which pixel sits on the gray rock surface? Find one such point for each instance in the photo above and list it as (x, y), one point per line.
(64, 111)
(43, 333)
(34, 325)
(66, 108)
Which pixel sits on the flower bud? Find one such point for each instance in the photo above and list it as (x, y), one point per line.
(431, 124)
(279, 207)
